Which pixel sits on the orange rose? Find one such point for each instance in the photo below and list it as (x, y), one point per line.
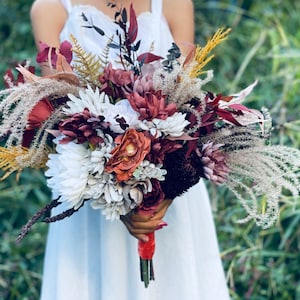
(130, 151)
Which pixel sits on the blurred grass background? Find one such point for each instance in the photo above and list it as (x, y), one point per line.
(264, 44)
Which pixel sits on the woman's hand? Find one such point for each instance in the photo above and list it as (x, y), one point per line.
(139, 224)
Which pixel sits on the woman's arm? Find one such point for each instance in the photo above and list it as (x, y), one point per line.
(180, 17)
(47, 18)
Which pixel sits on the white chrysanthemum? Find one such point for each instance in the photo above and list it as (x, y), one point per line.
(111, 202)
(102, 189)
(99, 105)
(173, 126)
(68, 173)
(112, 210)
(101, 154)
(88, 98)
(115, 199)
(122, 109)
(149, 170)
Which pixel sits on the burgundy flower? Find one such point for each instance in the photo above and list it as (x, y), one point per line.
(159, 149)
(151, 105)
(152, 199)
(82, 127)
(115, 81)
(183, 172)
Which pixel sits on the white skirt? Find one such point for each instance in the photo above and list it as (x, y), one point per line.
(90, 258)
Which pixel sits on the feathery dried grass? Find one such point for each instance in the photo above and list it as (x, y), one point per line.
(15, 108)
(178, 85)
(259, 173)
(20, 101)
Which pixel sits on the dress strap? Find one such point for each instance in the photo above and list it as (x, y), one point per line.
(67, 5)
(156, 7)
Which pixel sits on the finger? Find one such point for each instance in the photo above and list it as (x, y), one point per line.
(139, 217)
(141, 237)
(138, 233)
(161, 210)
(141, 227)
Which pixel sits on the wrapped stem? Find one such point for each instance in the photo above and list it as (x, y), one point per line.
(146, 252)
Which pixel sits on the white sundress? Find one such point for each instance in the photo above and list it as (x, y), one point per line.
(90, 258)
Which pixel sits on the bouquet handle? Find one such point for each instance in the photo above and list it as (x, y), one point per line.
(146, 252)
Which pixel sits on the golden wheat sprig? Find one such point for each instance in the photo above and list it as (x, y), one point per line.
(201, 57)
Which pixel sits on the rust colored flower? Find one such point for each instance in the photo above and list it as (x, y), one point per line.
(151, 105)
(130, 151)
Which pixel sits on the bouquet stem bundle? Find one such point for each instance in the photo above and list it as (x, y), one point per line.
(146, 252)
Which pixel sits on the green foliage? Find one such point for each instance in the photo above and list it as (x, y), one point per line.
(21, 264)
(264, 44)
(16, 38)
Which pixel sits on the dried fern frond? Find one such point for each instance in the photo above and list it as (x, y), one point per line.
(88, 66)
(21, 100)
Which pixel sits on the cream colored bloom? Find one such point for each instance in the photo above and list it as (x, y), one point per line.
(172, 126)
(68, 173)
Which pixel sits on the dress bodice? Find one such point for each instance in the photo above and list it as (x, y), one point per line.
(153, 30)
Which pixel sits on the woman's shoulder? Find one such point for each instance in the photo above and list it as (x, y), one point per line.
(45, 8)
(172, 5)
(48, 18)
(177, 9)
(180, 17)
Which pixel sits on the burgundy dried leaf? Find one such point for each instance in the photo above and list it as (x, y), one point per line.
(148, 57)
(228, 116)
(66, 50)
(45, 50)
(133, 26)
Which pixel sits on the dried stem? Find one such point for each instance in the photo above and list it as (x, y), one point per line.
(26, 228)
